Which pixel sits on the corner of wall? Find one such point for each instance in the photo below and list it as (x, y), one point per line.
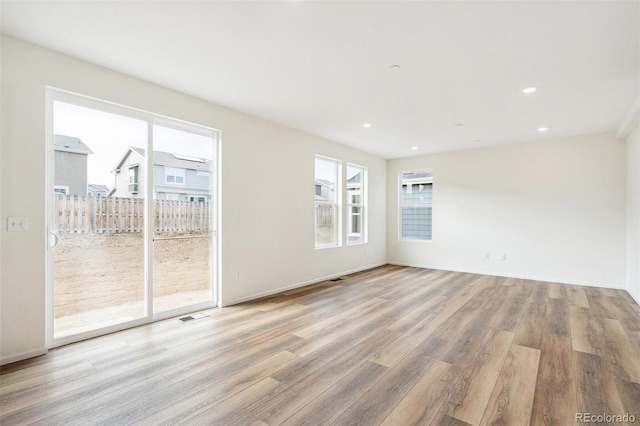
(633, 213)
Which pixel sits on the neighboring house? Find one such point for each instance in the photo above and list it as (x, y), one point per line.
(417, 187)
(324, 190)
(354, 189)
(70, 159)
(416, 204)
(355, 201)
(95, 190)
(175, 176)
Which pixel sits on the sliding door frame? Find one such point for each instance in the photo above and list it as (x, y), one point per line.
(54, 94)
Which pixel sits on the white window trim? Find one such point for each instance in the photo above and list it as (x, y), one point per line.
(337, 203)
(363, 207)
(404, 206)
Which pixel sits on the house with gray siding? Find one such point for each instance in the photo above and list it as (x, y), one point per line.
(175, 176)
(324, 190)
(70, 160)
(417, 200)
(96, 190)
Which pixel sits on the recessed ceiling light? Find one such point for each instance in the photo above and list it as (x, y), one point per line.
(414, 148)
(459, 124)
(529, 90)
(395, 67)
(477, 140)
(367, 125)
(542, 129)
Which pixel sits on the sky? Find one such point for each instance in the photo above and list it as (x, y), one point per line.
(326, 169)
(110, 135)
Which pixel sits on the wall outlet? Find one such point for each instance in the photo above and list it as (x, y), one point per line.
(486, 255)
(503, 256)
(237, 274)
(17, 224)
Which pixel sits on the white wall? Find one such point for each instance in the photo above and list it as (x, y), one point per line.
(633, 214)
(555, 208)
(267, 190)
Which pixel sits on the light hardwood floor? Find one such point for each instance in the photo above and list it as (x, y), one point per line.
(392, 345)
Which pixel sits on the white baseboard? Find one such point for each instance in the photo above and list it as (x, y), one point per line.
(634, 297)
(524, 277)
(22, 356)
(301, 284)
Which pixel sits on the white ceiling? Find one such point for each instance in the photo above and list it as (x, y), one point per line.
(324, 67)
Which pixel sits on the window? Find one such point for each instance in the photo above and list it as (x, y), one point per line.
(327, 202)
(174, 175)
(416, 198)
(172, 197)
(60, 189)
(356, 195)
(133, 179)
(198, 199)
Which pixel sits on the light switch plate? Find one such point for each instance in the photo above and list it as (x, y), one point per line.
(17, 224)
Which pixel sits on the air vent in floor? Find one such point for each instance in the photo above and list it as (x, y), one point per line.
(194, 317)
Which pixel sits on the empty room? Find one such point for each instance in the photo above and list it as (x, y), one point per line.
(319, 212)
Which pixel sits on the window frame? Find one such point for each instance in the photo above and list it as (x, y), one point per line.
(362, 205)
(336, 203)
(402, 207)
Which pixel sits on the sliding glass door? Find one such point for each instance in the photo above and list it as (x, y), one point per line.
(184, 205)
(132, 208)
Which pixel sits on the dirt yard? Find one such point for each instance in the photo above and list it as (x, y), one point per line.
(97, 271)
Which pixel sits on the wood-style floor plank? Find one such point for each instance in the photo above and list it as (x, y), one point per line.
(374, 406)
(531, 325)
(624, 361)
(187, 405)
(304, 388)
(478, 385)
(512, 398)
(338, 397)
(597, 391)
(554, 401)
(232, 410)
(392, 345)
(422, 403)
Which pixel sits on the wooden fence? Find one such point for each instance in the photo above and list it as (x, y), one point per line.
(324, 215)
(77, 214)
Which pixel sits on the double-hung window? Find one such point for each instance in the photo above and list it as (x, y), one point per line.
(327, 202)
(356, 218)
(416, 204)
(174, 175)
(133, 179)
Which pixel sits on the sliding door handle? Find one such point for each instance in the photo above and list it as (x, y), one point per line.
(56, 240)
